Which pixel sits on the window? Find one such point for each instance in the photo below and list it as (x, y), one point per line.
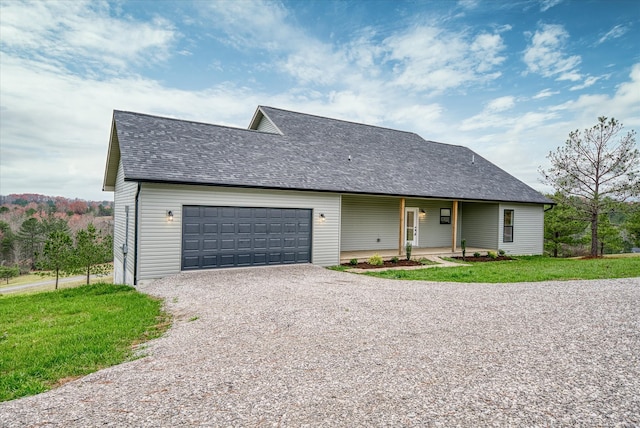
(507, 233)
(445, 215)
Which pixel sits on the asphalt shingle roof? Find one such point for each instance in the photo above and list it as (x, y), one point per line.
(312, 154)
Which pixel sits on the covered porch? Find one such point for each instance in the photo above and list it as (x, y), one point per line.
(363, 255)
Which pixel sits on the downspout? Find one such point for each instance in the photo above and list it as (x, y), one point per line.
(402, 231)
(125, 246)
(549, 209)
(135, 237)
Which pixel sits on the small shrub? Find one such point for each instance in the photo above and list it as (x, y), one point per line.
(501, 253)
(394, 259)
(491, 254)
(376, 260)
(476, 254)
(408, 249)
(8, 272)
(463, 244)
(353, 262)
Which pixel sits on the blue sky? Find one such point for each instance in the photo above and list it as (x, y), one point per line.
(508, 79)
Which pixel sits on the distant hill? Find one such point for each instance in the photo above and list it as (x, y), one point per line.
(59, 204)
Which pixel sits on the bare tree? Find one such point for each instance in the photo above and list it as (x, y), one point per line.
(593, 168)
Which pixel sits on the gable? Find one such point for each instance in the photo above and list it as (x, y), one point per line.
(261, 122)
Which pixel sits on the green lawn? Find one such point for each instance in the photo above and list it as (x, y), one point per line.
(524, 269)
(48, 338)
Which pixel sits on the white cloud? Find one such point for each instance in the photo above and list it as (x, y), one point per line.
(431, 59)
(614, 33)
(545, 54)
(545, 93)
(589, 81)
(501, 104)
(83, 34)
(548, 4)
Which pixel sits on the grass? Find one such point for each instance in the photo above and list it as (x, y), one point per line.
(524, 269)
(49, 338)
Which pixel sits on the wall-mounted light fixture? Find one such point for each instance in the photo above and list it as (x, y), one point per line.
(422, 213)
(169, 215)
(323, 218)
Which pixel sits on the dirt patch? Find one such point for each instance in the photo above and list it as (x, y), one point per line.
(483, 259)
(386, 264)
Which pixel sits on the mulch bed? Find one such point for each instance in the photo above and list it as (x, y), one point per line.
(484, 259)
(386, 264)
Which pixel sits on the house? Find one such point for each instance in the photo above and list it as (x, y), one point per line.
(300, 188)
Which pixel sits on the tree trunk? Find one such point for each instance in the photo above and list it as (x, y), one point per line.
(594, 234)
(88, 272)
(555, 245)
(57, 279)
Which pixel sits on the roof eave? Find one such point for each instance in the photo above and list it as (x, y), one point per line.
(339, 191)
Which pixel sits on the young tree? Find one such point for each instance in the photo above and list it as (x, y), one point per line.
(92, 251)
(58, 253)
(8, 272)
(594, 166)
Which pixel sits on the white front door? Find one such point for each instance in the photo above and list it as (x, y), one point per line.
(411, 226)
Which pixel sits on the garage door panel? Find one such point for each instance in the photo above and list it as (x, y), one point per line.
(218, 237)
(228, 228)
(209, 244)
(191, 212)
(210, 228)
(275, 243)
(227, 244)
(210, 211)
(191, 228)
(209, 261)
(260, 243)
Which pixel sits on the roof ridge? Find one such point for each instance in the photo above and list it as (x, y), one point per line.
(343, 120)
(235, 128)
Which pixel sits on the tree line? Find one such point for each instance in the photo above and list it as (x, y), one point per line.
(596, 177)
(43, 240)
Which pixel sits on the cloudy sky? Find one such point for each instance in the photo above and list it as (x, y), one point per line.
(510, 79)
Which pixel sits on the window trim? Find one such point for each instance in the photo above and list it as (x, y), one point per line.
(507, 229)
(445, 215)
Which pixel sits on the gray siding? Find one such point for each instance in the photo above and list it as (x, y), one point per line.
(431, 233)
(528, 229)
(160, 240)
(125, 193)
(369, 223)
(266, 125)
(480, 224)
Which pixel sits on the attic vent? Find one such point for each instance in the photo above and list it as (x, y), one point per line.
(265, 125)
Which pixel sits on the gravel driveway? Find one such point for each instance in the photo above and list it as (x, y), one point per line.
(305, 346)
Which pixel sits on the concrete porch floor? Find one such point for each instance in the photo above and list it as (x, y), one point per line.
(363, 255)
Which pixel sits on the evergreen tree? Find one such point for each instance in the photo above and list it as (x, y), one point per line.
(563, 227)
(92, 251)
(58, 253)
(31, 237)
